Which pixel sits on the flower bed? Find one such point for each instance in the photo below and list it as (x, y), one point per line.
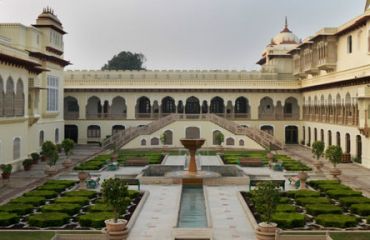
(290, 164)
(19, 209)
(154, 157)
(94, 164)
(317, 209)
(288, 220)
(42, 193)
(361, 209)
(7, 219)
(68, 208)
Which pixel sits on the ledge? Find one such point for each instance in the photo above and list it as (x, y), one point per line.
(6, 120)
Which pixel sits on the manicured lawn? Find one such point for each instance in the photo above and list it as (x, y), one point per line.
(352, 236)
(26, 235)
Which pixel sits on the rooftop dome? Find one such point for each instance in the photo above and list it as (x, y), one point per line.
(285, 36)
(48, 19)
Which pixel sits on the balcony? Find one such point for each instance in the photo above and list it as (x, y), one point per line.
(71, 115)
(105, 116)
(325, 64)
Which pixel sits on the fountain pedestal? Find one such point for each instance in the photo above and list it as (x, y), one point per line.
(192, 145)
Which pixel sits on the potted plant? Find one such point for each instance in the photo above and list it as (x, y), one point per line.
(49, 150)
(68, 145)
(334, 155)
(115, 194)
(35, 157)
(43, 157)
(27, 164)
(318, 148)
(163, 139)
(265, 198)
(6, 170)
(220, 138)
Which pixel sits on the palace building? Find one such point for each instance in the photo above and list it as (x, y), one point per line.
(315, 89)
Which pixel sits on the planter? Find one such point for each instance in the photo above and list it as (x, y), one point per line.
(318, 165)
(67, 163)
(50, 170)
(5, 175)
(43, 158)
(335, 172)
(118, 230)
(27, 167)
(303, 176)
(114, 157)
(82, 176)
(266, 231)
(35, 161)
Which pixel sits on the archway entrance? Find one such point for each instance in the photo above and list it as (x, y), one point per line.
(291, 135)
(192, 106)
(359, 149)
(71, 132)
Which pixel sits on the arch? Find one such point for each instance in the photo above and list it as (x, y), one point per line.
(16, 148)
(338, 138)
(41, 138)
(291, 108)
(217, 105)
(230, 141)
(359, 149)
(143, 142)
(71, 132)
(1, 97)
(118, 109)
(266, 108)
(304, 135)
(192, 133)
(117, 129)
(19, 99)
(241, 105)
(204, 107)
(291, 135)
(9, 98)
(241, 142)
(269, 129)
(192, 105)
(329, 138)
(71, 108)
(154, 141)
(168, 105)
(168, 137)
(330, 105)
(93, 107)
(348, 143)
(143, 105)
(56, 135)
(322, 137)
(216, 140)
(315, 134)
(309, 136)
(93, 131)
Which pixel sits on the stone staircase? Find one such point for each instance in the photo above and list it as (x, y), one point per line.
(123, 137)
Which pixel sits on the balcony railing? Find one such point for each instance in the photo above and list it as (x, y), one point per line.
(71, 115)
(106, 116)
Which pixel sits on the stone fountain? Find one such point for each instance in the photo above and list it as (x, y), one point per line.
(192, 145)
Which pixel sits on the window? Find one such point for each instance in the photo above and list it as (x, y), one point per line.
(57, 135)
(41, 138)
(93, 131)
(349, 44)
(16, 148)
(52, 98)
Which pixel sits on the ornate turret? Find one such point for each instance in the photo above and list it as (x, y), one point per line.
(48, 19)
(286, 36)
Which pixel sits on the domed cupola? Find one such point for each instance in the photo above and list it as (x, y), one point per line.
(286, 36)
(48, 19)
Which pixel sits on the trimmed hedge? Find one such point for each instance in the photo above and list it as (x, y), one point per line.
(7, 219)
(50, 219)
(317, 209)
(343, 193)
(35, 201)
(94, 164)
(327, 187)
(42, 193)
(302, 193)
(20, 209)
(288, 220)
(95, 220)
(100, 207)
(68, 208)
(76, 200)
(312, 200)
(317, 183)
(361, 209)
(336, 220)
(67, 183)
(53, 187)
(284, 200)
(348, 201)
(133, 194)
(368, 220)
(81, 193)
(290, 164)
(285, 208)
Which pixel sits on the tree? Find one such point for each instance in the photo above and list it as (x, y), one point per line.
(126, 61)
(68, 145)
(266, 197)
(334, 154)
(318, 148)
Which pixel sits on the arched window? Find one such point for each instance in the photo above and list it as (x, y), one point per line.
(117, 129)
(143, 105)
(338, 139)
(205, 107)
(41, 138)
(154, 141)
(93, 131)
(216, 140)
(143, 142)
(9, 98)
(315, 134)
(266, 108)
(269, 129)
(168, 137)
(16, 148)
(348, 143)
(329, 138)
(180, 107)
(57, 135)
(71, 108)
(118, 108)
(291, 108)
(217, 105)
(358, 148)
(322, 138)
(241, 142)
(192, 133)
(1, 97)
(230, 141)
(19, 99)
(93, 107)
(291, 135)
(192, 106)
(168, 105)
(241, 105)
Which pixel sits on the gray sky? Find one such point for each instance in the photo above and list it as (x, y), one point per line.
(180, 34)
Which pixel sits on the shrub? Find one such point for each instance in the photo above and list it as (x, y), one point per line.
(76, 200)
(337, 193)
(312, 200)
(50, 219)
(68, 145)
(317, 209)
(133, 194)
(53, 187)
(95, 220)
(336, 220)
(67, 183)
(285, 208)
(284, 200)
(265, 197)
(100, 207)
(368, 220)
(42, 193)
(288, 220)
(327, 187)
(348, 201)
(361, 209)
(7, 219)
(316, 183)
(82, 193)
(35, 201)
(303, 193)
(68, 208)
(334, 154)
(20, 209)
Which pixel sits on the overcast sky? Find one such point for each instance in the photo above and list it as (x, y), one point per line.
(180, 34)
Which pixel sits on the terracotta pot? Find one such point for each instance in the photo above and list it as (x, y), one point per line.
(67, 163)
(82, 176)
(318, 165)
(5, 175)
(35, 161)
(50, 170)
(118, 230)
(303, 176)
(27, 167)
(270, 156)
(43, 158)
(114, 157)
(335, 172)
(266, 231)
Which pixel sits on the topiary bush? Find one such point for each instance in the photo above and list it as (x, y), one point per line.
(336, 220)
(95, 220)
(343, 193)
(100, 207)
(7, 219)
(348, 201)
(68, 208)
(317, 183)
(53, 187)
(327, 187)
(49, 219)
(285, 208)
(361, 209)
(284, 200)
(317, 209)
(42, 193)
(302, 193)
(76, 200)
(19, 209)
(82, 193)
(288, 220)
(35, 201)
(312, 200)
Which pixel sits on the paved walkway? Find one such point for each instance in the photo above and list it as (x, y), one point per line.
(353, 175)
(21, 181)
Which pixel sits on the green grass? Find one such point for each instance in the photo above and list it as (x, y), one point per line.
(26, 235)
(350, 235)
